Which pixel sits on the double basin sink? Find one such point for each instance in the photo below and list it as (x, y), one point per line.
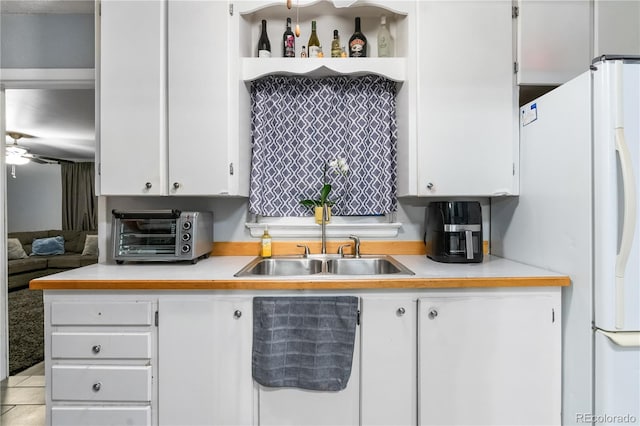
(323, 265)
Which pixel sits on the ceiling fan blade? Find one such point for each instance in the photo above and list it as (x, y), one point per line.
(39, 161)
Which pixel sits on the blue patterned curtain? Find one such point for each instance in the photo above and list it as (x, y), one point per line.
(300, 124)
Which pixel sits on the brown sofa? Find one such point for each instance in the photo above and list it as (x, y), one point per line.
(21, 271)
(26, 310)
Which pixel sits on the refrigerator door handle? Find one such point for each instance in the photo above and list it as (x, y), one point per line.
(627, 339)
(629, 222)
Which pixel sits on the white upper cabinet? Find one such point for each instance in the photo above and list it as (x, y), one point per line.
(553, 40)
(466, 124)
(617, 27)
(164, 100)
(557, 40)
(131, 86)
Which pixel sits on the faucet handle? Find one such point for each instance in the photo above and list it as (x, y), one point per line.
(341, 249)
(306, 249)
(356, 246)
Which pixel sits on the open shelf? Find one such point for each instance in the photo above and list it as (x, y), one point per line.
(391, 68)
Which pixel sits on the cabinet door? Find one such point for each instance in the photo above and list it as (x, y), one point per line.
(492, 360)
(132, 125)
(204, 359)
(198, 97)
(617, 27)
(388, 361)
(548, 52)
(301, 407)
(467, 138)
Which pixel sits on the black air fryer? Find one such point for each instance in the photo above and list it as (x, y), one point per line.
(454, 231)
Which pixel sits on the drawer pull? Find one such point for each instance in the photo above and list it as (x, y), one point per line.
(96, 349)
(96, 386)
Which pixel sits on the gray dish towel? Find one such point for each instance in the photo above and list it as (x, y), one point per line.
(304, 342)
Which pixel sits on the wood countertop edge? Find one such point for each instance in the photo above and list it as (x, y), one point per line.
(350, 284)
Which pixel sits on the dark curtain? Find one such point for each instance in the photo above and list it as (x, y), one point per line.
(79, 202)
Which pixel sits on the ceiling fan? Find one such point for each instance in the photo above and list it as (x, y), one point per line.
(17, 155)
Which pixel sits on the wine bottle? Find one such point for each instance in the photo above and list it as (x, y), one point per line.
(288, 42)
(357, 42)
(385, 43)
(313, 47)
(335, 45)
(264, 47)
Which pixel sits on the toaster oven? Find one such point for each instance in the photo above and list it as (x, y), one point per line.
(161, 235)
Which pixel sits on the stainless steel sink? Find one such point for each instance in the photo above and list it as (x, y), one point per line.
(281, 266)
(366, 266)
(323, 265)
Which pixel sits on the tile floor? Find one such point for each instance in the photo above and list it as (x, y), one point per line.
(22, 398)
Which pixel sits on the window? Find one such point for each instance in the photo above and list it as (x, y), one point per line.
(299, 124)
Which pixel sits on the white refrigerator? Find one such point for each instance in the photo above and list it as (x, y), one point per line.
(577, 214)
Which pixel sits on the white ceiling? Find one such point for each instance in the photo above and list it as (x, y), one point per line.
(62, 122)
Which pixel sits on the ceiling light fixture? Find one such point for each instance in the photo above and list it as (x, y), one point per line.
(15, 155)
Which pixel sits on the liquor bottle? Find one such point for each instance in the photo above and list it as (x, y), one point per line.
(358, 43)
(313, 47)
(385, 43)
(335, 45)
(303, 54)
(288, 42)
(264, 47)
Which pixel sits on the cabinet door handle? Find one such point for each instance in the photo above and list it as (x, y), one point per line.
(432, 314)
(430, 185)
(176, 185)
(96, 386)
(96, 349)
(237, 314)
(148, 185)
(401, 311)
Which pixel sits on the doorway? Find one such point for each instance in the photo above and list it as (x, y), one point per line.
(28, 80)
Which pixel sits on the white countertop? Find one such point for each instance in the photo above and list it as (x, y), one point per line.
(217, 270)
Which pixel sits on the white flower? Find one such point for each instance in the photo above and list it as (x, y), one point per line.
(339, 166)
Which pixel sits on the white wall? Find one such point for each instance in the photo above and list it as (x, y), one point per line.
(34, 198)
(231, 214)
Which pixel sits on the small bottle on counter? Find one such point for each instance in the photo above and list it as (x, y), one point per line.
(265, 243)
(264, 47)
(303, 54)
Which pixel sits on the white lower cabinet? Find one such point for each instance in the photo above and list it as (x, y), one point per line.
(388, 360)
(100, 361)
(204, 353)
(490, 358)
(434, 357)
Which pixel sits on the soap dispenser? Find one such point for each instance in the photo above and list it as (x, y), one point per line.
(265, 243)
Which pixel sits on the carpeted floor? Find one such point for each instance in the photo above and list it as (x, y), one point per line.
(26, 329)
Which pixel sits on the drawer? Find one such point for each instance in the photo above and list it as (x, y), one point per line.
(101, 313)
(101, 345)
(100, 416)
(101, 383)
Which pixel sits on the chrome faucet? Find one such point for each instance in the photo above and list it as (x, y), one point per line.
(356, 246)
(325, 216)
